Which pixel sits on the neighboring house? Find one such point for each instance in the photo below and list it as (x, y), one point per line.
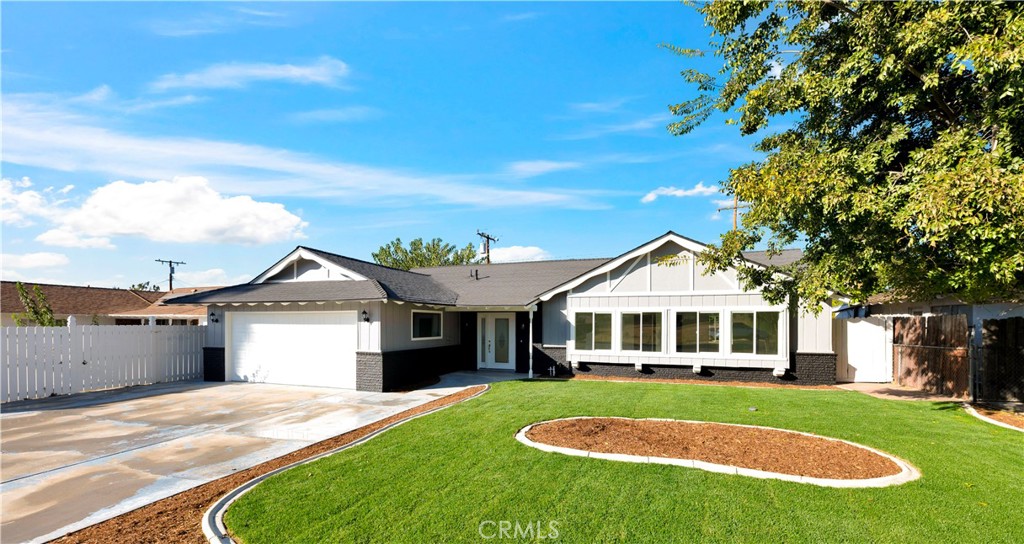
(87, 304)
(317, 318)
(884, 305)
(177, 314)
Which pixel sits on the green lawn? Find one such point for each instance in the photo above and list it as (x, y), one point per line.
(437, 478)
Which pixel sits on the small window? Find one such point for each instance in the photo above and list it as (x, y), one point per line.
(426, 325)
(641, 332)
(755, 332)
(593, 331)
(697, 332)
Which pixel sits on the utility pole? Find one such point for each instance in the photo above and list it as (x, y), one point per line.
(487, 244)
(736, 206)
(170, 275)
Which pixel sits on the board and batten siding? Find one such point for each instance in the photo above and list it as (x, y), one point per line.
(814, 332)
(555, 318)
(397, 328)
(369, 334)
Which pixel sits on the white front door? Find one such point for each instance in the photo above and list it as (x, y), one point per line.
(496, 347)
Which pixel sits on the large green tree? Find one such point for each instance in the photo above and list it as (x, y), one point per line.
(901, 168)
(420, 254)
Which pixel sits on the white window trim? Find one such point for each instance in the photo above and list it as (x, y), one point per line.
(630, 311)
(593, 331)
(783, 332)
(698, 310)
(668, 339)
(412, 325)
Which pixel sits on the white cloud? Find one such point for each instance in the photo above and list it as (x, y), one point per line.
(39, 133)
(715, 216)
(524, 16)
(697, 190)
(208, 278)
(723, 202)
(529, 169)
(34, 260)
(66, 189)
(607, 106)
(348, 114)
(183, 210)
(326, 71)
(640, 125)
(219, 22)
(66, 237)
(515, 254)
(19, 207)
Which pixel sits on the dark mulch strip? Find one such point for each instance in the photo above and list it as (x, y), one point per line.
(178, 518)
(760, 449)
(696, 381)
(1014, 419)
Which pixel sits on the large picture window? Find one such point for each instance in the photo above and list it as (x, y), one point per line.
(426, 325)
(641, 332)
(593, 331)
(755, 332)
(697, 332)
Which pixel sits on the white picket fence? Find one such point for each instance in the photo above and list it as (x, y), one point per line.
(40, 362)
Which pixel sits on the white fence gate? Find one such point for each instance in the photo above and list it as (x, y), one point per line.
(863, 349)
(39, 362)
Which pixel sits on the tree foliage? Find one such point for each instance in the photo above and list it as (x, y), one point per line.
(37, 309)
(419, 254)
(902, 171)
(144, 286)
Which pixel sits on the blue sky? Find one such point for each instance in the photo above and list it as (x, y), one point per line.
(224, 135)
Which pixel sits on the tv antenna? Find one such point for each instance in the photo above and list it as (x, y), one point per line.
(487, 245)
(170, 274)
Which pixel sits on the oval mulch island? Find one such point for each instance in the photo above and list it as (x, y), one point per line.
(761, 452)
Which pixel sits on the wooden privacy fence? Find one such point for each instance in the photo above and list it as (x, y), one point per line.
(931, 354)
(40, 362)
(1000, 361)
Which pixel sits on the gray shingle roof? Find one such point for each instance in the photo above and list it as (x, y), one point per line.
(299, 291)
(398, 284)
(787, 256)
(507, 284)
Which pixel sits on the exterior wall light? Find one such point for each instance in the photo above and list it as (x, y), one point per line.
(366, 316)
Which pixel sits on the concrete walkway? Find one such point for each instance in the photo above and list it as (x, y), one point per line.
(892, 391)
(70, 462)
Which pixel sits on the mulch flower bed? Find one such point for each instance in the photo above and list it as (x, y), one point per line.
(1014, 419)
(178, 518)
(754, 448)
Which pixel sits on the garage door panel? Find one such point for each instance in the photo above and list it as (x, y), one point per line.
(312, 348)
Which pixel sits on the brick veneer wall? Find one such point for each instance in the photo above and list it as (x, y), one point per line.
(546, 357)
(395, 370)
(804, 369)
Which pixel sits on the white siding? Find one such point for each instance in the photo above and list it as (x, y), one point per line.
(397, 328)
(814, 332)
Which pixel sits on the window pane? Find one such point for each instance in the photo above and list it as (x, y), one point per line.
(768, 333)
(631, 332)
(743, 333)
(585, 331)
(426, 325)
(652, 331)
(602, 331)
(686, 332)
(709, 332)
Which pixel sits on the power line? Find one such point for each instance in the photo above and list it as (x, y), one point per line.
(487, 244)
(170, 274)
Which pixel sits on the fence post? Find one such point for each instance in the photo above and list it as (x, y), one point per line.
(155, 369)
(74, 366)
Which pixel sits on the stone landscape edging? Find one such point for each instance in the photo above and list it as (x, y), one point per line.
(970, 410)
(213, 519)
(907, 471)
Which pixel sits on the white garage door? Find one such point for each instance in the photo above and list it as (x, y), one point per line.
(296, 348)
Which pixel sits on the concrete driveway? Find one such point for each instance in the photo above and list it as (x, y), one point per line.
(70, 462)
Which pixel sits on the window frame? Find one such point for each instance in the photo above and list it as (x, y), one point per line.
(781, 332)
(660, 336)
(699, 312)
(593, 330)
(412, 325)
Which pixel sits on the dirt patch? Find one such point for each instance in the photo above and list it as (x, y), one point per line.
(178, 518)
(764, 449)
(1014, 419)
(696, 382)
